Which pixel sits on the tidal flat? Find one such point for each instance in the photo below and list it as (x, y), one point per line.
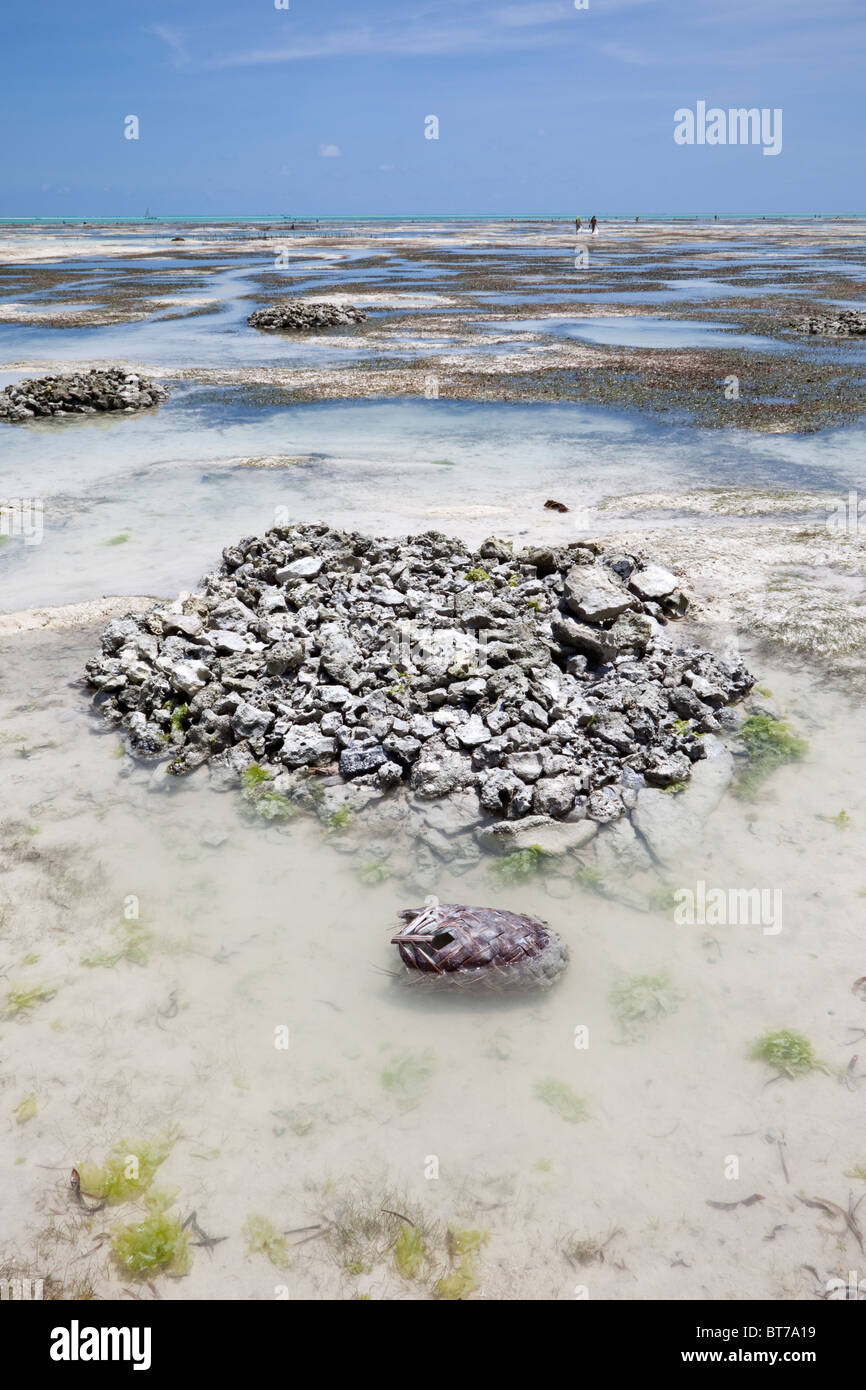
(196, 1009)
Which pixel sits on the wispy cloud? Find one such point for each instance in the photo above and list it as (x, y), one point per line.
(177, 49)
(780, 31)
(329, 151)
(449, 27)
(366, 42)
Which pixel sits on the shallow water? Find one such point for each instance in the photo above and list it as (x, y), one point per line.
(251, 927)
(675, 292)
(169, 483)
(636, 330)
(219, 338)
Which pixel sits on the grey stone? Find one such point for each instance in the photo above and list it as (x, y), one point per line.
(305, 746)
(633, 632)
(438, 771)
(358, 759)
(307, 567)
(554, 796)
(593, 596)
(226, 642)
(605, 804)
(403, 750)
(473, 732)
(590, 641)
(187, 624)
(527, 766)
(664, 769)
(502, 793)
(249, 721)
(652, 582)
(186, 677)
(389, 774)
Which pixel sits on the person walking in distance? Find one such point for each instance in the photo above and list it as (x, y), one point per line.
(577, 224)
(593, 225)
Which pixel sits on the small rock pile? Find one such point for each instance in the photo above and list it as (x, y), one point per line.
(536, 682)
(81, 393)
(849, 323)
(300, 316)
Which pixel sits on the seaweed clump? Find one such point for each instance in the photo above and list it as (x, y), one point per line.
(769, 744)
(158, 1244)
(520, 866)
(789, 1052)
(20, 999)
(410, 1252)
(135, 938)
(463, 1248)
(263, 799)
(263, 1238)
(128, 1170)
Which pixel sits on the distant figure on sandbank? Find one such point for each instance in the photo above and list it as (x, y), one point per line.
(577, 224)
(593, 225)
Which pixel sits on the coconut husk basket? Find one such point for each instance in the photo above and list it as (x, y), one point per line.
(485, 948)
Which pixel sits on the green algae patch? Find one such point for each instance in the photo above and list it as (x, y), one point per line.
(788, 1051)
(770, 744)
(561, 1099)
(253, 777)
(26, 1110)
(589, 877)
(520, 866)
(128, 1170)
(272, 805)
(463, 1249)
(135, 938)
(20, 999)
(262, 798)
(263, 1238)
(180, 719)
(373, 872)
(410, 1252)
(156, 1245)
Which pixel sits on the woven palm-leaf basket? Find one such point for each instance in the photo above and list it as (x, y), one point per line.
(482, 948)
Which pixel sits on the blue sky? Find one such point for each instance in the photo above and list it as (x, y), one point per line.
(319, 109)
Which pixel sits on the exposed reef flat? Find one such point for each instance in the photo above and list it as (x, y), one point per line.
(475, 312)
